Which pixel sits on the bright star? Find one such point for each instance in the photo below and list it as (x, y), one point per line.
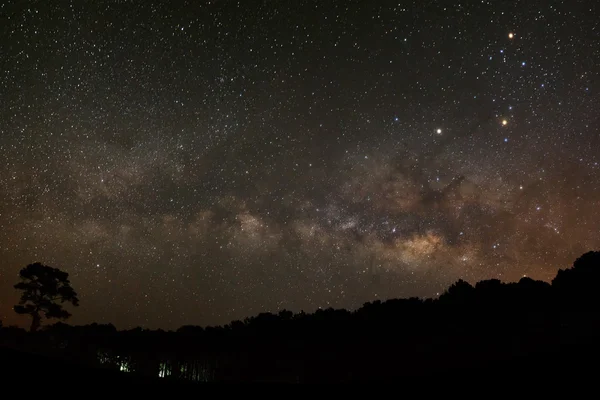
(511, 35)
(439, 131)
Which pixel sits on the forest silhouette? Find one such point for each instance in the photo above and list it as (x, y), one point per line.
(492, 328)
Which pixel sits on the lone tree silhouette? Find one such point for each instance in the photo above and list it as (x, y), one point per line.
(42, 288)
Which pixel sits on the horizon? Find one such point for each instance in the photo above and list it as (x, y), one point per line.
(277, 312)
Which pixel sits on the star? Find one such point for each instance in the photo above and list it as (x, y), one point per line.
(206, 172)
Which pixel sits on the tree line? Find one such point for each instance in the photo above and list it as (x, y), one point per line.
(480, 327)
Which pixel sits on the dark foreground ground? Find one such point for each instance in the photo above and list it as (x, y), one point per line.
(566, 366)
(17, 366)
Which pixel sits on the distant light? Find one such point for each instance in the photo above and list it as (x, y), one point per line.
(505, 140)
(504, 122)
(438, 131)
(511, 35)
(521, 187)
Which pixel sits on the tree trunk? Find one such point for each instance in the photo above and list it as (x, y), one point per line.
(36, 322)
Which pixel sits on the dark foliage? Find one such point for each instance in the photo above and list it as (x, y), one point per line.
(520, 329)
(43, 287)
(579, 285)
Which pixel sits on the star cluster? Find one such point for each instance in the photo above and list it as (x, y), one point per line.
(197, 162)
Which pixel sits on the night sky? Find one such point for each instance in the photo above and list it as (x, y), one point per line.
(203, 162)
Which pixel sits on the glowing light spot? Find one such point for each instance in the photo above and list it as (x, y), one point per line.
(504, 122)
(511, 35)
(438, 131)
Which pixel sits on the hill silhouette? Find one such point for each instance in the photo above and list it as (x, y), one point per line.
(523, 330)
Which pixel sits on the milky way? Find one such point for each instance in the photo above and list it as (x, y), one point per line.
(194, 164)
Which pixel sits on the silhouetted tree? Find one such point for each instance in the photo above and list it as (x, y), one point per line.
(531, 292)
(577, 286)
(42, 288)
(486, 328)
(585, 272)
(459, 293)
(285, 315)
